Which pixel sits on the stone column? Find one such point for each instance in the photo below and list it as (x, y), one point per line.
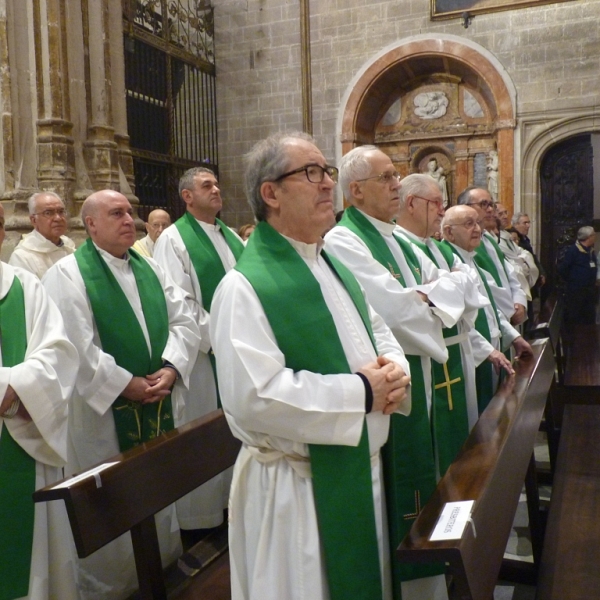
(100, 147)
(55, 152)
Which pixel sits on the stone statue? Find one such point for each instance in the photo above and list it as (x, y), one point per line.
(492, 174)
(439, 175)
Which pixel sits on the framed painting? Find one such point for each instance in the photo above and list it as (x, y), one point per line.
(449, 9)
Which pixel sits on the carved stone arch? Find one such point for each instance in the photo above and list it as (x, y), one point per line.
(538, 134)
(443, 65)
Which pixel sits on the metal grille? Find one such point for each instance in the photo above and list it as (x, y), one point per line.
(171, 96)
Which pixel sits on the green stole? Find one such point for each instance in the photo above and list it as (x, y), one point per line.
(483, 260)
(17, 468)
(408, 455)
(124, 339)
(450, 419)
(484, 373)
(343, 490)
(207, 262)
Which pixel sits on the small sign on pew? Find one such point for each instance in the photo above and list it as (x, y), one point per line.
(95, 472)
(452, 521)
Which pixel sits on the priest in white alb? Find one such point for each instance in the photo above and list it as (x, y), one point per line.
(47, 243)
(308, 376)
(137, 341)
(462, 231)
(37, 374)
(197, 251)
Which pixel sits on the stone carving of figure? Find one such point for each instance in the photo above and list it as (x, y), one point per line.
(437, 172)
(492, 174)
(430, 105)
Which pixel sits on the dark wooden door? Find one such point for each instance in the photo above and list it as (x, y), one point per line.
(567, 190)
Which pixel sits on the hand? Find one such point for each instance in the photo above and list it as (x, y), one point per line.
(423, 297)
(388, 382)
(160, 383)
(519, 316)
(9, 397)
(136, 389)
(500, 362)
(522, 348)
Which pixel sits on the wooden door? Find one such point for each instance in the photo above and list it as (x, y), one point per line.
(567, 190)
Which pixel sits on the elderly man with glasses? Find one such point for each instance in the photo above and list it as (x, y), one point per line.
(462, 230)
(309, 376)
(416, 301)
(508, 293)
(47, 243)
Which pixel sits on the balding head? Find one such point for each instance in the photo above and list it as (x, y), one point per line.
(48, 215)
(107, 216)
(462, 226)
(421, 205)
(158, 221)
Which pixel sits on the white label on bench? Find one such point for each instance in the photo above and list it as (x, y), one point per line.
(452, 521)
(84, 475)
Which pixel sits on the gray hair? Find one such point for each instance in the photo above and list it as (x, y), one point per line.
(517, 216)
(416, 184)
(32, 202)
(583, 233)
(186, 182)
(355, 165)
(465, 196)
(267, 160)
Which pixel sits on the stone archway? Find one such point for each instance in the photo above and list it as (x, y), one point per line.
(414, 79)
(538, 134)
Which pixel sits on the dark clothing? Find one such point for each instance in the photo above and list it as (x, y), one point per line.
(578, 269)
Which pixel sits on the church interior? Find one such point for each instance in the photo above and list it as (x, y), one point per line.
(502, 94)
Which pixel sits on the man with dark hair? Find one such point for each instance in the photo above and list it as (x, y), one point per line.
(308, 384)
(197, 251)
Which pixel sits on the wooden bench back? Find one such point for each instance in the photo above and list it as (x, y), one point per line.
(145, 480)
(490, 470)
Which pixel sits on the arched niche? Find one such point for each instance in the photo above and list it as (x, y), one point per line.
(392, 103)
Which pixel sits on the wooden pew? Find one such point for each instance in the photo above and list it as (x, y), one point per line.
(569, 568)
(145, 480)
(490, 470)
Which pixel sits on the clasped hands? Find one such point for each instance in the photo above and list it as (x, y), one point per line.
(388, 382)
(151, 388)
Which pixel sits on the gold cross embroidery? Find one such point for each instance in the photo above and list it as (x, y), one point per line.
(448, 384)
(394, 275)
(417, 507)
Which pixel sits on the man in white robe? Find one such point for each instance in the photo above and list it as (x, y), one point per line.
(416, 301)
(461, 228)
(276, 543)
(508, 294)
(47, 243)
(197, 251)
(418, 218)
(33, 410)
(158, 221)
(93, 432)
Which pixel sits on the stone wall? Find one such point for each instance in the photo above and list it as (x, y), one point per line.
(551, 53)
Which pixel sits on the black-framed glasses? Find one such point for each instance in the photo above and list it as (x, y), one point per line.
(439, 204)
(50, 213)
(314, 173)
(383, 177)
(482, 203)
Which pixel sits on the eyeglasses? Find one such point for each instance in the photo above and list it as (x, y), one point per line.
(438, 203)
(314, 173)
(482, 203)
(383, 177)
(50, 213)
(468, 224)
